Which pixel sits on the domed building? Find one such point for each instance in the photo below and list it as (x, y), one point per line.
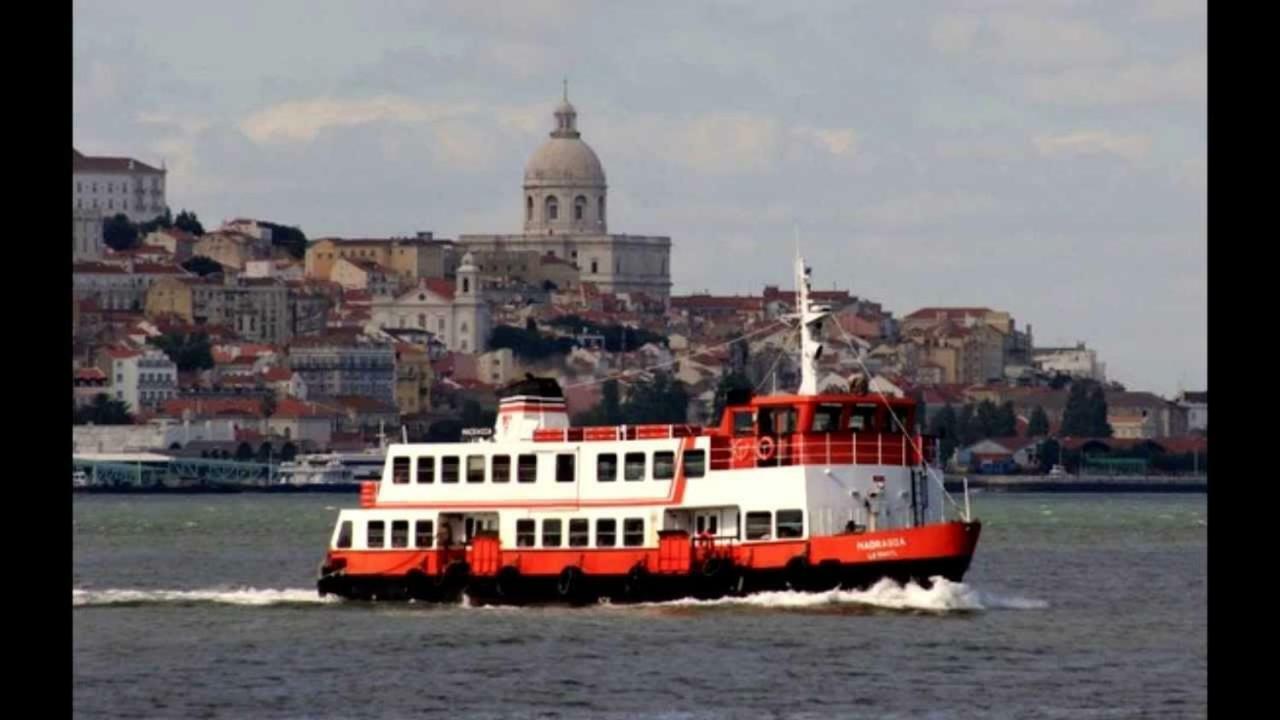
(564, 207)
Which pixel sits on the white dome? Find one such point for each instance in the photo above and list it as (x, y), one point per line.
(564, 161)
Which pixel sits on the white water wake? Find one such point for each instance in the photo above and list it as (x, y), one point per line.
(223, 596)
(943, 596)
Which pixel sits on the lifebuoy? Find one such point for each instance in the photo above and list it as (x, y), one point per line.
(765, 448)
(741, 450)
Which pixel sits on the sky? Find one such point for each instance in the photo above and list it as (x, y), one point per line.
(1046, 158)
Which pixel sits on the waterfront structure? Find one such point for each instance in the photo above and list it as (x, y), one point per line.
(117, 185)
(1196, 404)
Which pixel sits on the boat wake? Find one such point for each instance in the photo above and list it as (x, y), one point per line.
(217, 596)
(943, 597)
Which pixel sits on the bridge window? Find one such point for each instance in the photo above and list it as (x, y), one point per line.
(399, 533)
(777, 421)
(426, 470)
(633, 467)
(790, 523)
(475, 468)
(664, 465)
(375, 532)
(525, 533)
(606, 467)
(344, 535)
(527, 468)
(564, 467)
(424, 533)
(449, 469)
(633, 532)
(400, 470)
(863, 417)
(695, 463)
(826, 418)
(501, 468)
(606, 533)
(743, 423)
(579, 532)
(551, 533)
(759, 525)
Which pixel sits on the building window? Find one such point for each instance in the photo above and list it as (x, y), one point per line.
(633, 532)
(633, 467)
(344, 535)
(564, 467)
(400, 533)
(400, 470)
(525, 533)
(551, 533)
(449, 469)
(501, 468)
(527, 468)
(742, 423)
(422, 321)
(528, 208)
(664, 465)
(553, 208)
(374, 536)
(606, 533)
(600, 208)
(475, 468)
(579, 532)
(695, 463)
(579, 207)
(595, 267)
(759, 525)
(424, 533)
(606, 467)
(790, 523)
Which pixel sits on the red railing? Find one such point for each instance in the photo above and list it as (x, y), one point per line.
(821, 449)
(611, 433)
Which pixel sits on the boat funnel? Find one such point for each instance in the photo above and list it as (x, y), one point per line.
(529, 405)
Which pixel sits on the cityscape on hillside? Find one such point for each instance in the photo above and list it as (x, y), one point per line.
(247, 340)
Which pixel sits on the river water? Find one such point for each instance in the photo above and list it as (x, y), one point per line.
(1076, 606)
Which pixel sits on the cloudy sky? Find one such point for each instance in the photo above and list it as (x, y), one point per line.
(1047, 158)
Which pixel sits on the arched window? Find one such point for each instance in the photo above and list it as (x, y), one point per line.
(553, 208)
(422, 320)
(466, 285)
(528, 208)
(579, 207)
(600, 204)
(595, 268)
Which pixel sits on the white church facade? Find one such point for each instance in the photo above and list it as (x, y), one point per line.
(453, 312)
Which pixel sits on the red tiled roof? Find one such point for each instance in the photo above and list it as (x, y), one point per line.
(213, 406)
(158, 269)
(88, 163)
(277, 374)
(363, 404)
(950, 313)
(90, 373)
(122, 353)
(83, 268)
(294, 408)
(440, 286)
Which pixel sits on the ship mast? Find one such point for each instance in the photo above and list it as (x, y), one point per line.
(811, 317)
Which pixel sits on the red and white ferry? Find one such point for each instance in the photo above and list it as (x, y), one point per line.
(807, 491)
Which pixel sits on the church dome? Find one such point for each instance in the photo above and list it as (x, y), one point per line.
(564, 159)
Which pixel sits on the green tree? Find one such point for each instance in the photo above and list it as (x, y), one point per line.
(265, 452)
(288, 237)
(1097, 413)
(118, 233)
(945, 426)
(1006, 421)
(968, 431)
(473, 415)
(164, 220)
(268, 403)
(732, 382)
(986, 419)
(1038, 425)
(103, 410)
(288, 452)
(244, 452)
(1050, 453)
(1075, 416)
(611, 402)
(188, 221)
(662, 399)
(189, 352)
(202, 265)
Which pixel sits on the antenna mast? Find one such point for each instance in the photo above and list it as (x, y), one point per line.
(811, 317)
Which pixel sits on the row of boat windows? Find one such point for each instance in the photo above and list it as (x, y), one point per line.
(635, 466)
(760, 524)
(527, 535)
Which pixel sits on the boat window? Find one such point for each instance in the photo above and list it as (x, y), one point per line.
(743, 423)
(564, 467)
(400, 470)
(524, 533)
(426, 470)
(399, 533)
(826, 418)
(374, 536)
(475, 468)
(527, 468)
(759, 525)
(664, 465)
(606, 533)
(424, 534)
(344, 535)
(449, 469)
(579, 532)
(633, 467)
(777, 420)
(790, 523)
(713, 524)
(551, 533)
(633, 532)
(862, 419)
(501, 468)
(606, 467)
(695, 463)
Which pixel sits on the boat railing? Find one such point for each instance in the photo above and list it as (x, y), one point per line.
(822, 449)
(615, 433)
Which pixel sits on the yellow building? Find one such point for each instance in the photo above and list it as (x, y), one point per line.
(169, 296)
(414, 378)
(410, 258)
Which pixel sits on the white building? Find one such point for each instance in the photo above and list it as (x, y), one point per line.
(154, 435)
(1197, 407)
(1079, 361)
(142, 379)
(453, 313)
(117, 185)
(86, 234)
(563, 203)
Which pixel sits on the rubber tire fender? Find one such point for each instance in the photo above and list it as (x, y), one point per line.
(569, 581)
(506, 584)
(797, 572)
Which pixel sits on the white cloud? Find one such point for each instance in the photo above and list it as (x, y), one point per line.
(304, 120)
(839, 141)
(1086, 143)
(1171, 9)
(1021, 39)
(1185, 80)
(925, 208)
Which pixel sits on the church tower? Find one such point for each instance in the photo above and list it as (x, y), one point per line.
(564, 182)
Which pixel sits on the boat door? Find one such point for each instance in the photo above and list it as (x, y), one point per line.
(706, 521)
(476, 523)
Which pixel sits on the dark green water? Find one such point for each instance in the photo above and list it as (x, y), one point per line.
(1075, 607)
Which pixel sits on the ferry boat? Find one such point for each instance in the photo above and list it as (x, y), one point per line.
(808, 491)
